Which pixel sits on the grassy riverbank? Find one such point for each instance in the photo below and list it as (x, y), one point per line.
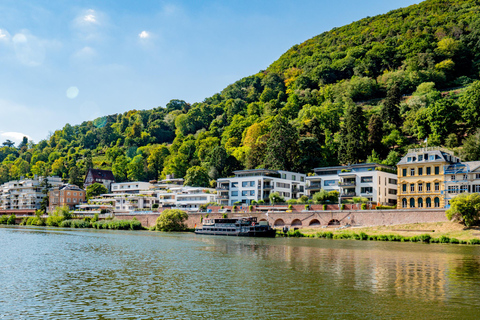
(439, 232)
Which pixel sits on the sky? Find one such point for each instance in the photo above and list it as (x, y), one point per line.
(73, 61)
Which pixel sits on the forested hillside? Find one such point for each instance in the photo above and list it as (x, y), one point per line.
(363, 92)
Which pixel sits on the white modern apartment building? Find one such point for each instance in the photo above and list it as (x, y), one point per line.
(257, 184)
(366, 180)
(461, 177)
(25, 194)
(142, 196)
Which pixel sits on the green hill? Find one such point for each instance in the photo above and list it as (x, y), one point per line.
(364, 92)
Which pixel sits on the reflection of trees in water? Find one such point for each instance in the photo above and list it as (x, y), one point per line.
(417, 271)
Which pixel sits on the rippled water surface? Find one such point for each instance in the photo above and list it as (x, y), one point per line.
(78, 274)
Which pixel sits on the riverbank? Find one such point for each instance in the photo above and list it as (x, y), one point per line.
(437, 232)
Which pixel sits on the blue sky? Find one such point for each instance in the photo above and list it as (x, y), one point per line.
(71, 61)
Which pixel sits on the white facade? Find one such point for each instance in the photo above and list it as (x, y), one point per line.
(461, 177)
(358, 180)
(257, 184)
(25, 194)
(131, 187)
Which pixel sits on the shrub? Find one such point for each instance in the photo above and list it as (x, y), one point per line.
(172, 220)
(261, 201)
(292, 201)
(363, 236)
(155, 206)
(474, 241)
(364, 206)
(425, 238)
(234, 208)
(324, 207)
(3, 219)
(11, 219)
(302, 199)
(386, 207)
(254, 202)
(224, 216)
(290, 207)
(453, 240)
(444, 239)
(307, 207)
(250, 208)
(342, 206)
(237, 203)
(465, 208)
(95, 217)
(118, 224)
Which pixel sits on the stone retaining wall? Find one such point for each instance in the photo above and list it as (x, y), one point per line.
(317, 218)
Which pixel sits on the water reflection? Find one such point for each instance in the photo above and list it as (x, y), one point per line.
(54, 274)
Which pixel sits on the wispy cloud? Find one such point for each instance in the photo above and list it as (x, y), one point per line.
(86, 53)
(29, 49)
(4, 35)
(88, 24)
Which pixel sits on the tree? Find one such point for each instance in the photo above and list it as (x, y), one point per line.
(353, 136)
(95, 189)
(321, 197)
(119, 168)
(465, 208)
(9, 143)
(74, 177)
(470, 106)
(135, 169)
(281, 153)
(391, 110)
(276, 198)
(375, 133)
(45, 188)
(471, 147)
(171, 220)
(196, 177)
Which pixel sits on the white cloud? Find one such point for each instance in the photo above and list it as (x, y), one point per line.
(86, 53)
(4, 35)
(89, 23)
(16, 137)
(144, 34)
(87, 18)
(29, 49)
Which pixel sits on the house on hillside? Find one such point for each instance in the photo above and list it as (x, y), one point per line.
(68, 195)
(104, 177)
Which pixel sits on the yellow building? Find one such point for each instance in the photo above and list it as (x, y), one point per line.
(421, 177)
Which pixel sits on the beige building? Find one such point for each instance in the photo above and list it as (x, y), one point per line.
(67, 195)
(421, 177)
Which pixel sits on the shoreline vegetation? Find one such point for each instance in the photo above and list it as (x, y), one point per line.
(439, 232)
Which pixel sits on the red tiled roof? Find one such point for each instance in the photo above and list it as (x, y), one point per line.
(102, 174)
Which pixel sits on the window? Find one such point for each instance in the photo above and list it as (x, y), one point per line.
(68, 193)
(234, 185)
(436, 202)
(412, 203)
(252, 192)
(392, 181)
(412, 187)
(409, 159)
(392, 191)
(465, 177)
(284, 176)
(68, 200)
(244, 193)
(427, 185)
(476, 188)
(302, 178)
(477, 176)
(283, 185)
(412, 172)
(404, 187)
(420, 187)
(420, 202)
(366, 179)
(420, 171)
(327, 183)
(234, 193)
(294, 177)
(428, 202)
(404, 203)
(366, 190)
(437, 170)
(431, 157)
(245, 184)
(404, 173)
(420, 158)
(429, 171)
(437, 186)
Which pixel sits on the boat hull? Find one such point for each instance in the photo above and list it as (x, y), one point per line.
(264, 234)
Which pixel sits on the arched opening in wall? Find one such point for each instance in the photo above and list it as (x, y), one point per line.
(412, 203)
(314, 223)
(420, 202)
(428, 201)
(436, 201)
(334, 222)
(404, 203)
(296, 223)
(279, 223)
(262, 220)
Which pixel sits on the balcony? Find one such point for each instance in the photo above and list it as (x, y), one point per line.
(222, 197)
(223, 188)
(267, 187)
(348, 195)
(314, 186)
(347, 184)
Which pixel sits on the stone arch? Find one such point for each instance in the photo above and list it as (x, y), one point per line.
(263, 219)
(296, 223)
(334, 222)
(314, 223)
(279, 223)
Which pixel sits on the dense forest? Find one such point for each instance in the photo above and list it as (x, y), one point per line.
(367, 91)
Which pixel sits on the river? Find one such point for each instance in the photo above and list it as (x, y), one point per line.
(93, 274)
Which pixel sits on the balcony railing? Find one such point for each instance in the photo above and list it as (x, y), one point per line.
(348, 194)
(347, 184)
(222, 197)
(314, 186)
(223, 188)
(267, 187)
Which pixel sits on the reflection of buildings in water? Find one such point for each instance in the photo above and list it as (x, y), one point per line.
(425, 272)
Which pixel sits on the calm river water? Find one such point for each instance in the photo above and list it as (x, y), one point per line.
(78, 274)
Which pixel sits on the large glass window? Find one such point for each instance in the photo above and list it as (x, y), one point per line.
(428, 186)
(420, 202)
(234, 193)
(437, 170)
(404, 172)
(404, 187)
(436, 202)
(330, 183)
(420, 171)
(404, 203)
(412, 187)
(252, 192)
(429, 171)
(412, 172)
(234, 185)
(366, 179)
(244, 193)
(428, 202)
(412, 203)
(366, 190)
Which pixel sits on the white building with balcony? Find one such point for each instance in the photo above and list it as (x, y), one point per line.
(257, 184)
(461, 177)
(373, 181)
(25, 194)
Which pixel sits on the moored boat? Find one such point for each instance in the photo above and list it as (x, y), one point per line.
(239, 227)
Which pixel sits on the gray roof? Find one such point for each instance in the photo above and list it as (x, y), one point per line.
(443, 155)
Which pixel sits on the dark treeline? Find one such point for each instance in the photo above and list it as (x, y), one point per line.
(363, 92)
